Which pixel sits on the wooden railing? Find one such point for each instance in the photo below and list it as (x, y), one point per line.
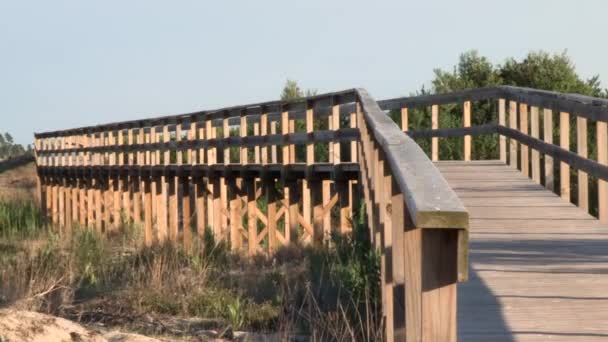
(310, 160)
(420, 226)
(208, 170)
(523, 144)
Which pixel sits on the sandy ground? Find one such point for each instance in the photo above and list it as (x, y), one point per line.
(22, 326)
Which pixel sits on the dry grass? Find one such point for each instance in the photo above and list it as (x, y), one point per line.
(18, 183)
(323, 293)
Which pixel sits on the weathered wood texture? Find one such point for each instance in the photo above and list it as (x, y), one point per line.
(538, 263)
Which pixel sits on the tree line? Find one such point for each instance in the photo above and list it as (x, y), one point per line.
(9, 149)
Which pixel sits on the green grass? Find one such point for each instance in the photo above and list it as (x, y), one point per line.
(19, 219)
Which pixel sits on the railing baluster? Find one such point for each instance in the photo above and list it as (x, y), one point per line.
(564, 142)
(535, 131)
(583, 179)
(548, 138)
(434, 125)
(602, 158)
(513, 125)
(467, 123)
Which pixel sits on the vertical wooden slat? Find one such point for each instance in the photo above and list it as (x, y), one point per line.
(310, 159)
(564, 142)
(502, 122)
(513, 143)
(387, 249)
(252, 227)
(525, 152)
(602, 158)
(148, 212)
(291, 230)
(172, 188)
(186, 213)
(335, 117)
(342, 188)
(273, 148)
(235, 215)
(548, 138)
(99, 188)
(292, 147)
(326, 212)
(535, 132)
(317, 210)
(256, 148)
(264, 132)
(397, 255)
(243, 134)
(439, 276)
(467, 123)
(285, 131)
(160, 207)
(200, 207)
(271, 214)
(223, 186)
(404, 119)
(583, 179)
(434, 125)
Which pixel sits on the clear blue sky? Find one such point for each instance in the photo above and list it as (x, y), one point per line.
(72, 63)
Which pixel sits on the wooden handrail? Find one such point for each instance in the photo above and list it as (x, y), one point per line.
(419, 225)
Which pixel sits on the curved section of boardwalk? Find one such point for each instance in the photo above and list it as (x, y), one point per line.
(539, 265)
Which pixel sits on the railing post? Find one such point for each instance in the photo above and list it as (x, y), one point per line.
(525, 153)
(513, 142)
(583, 179)
(602, 158)
(434, 125)
(564, 142)
(548, 138)
(404, 119)
(467, 123)
(535, 131)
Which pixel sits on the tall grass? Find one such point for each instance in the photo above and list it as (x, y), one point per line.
(325, 292)
(19, 218)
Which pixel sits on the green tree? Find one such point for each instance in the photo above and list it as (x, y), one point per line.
(555, 72)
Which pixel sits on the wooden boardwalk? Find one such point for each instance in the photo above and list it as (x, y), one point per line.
(538, 265)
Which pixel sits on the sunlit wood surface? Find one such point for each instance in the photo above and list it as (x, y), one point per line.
(539, 265)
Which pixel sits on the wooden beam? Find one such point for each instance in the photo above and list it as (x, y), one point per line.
(502, 121)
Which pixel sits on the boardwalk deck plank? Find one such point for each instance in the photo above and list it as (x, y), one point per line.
(539, 265)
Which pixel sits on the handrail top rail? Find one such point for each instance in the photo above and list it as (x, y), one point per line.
(338, 97)
(592, 107)
(430, 200)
